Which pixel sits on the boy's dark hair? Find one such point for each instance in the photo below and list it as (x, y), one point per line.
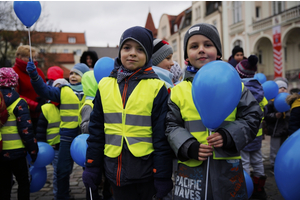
(209, 31)
(237, 49)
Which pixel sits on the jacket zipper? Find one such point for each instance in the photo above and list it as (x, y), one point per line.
(123, 100)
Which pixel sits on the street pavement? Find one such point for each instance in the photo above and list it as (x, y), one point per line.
(78, 190)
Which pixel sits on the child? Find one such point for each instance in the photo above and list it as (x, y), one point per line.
(18, 138)
(70, 98)
(89, 58)
(53, 73)
(277, 123)
(251, 154)
(48, 129)
(127, 131)
(162, 61)
(237, 56)
(189, 138)
(294, 121)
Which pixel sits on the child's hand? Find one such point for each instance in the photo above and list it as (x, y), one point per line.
(204, 152)
(215, 140)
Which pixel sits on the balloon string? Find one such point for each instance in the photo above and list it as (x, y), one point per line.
(29, 43)
(207, 173)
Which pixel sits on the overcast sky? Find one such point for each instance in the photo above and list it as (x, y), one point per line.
(104, 21)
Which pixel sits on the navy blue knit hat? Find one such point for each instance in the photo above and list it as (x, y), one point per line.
(140, 35)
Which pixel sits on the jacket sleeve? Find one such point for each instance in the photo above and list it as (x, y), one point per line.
(162, 155)
(85, 116)
(41, 130)
(96, 140)
(45, 91)
(25, 128)
(294, 121)
(248, 117)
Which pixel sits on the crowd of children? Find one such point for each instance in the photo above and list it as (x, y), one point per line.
(142, 123)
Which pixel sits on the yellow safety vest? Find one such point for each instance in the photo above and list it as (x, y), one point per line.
(69, 108)
(262, 104)
(181, 95)
(10, 136)
(51, 113)
(131, 124)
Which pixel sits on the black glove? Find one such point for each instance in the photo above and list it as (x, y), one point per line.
(163, 187)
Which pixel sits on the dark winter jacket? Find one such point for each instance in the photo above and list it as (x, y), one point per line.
(294, 121)
(256, 89)
(276, 127)
(133, 169)
(233, 62)
(54, 94)
(236, 134)
(24, 126)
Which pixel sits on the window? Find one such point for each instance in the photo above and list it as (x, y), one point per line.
(215, 23)
(48, 39)
(237, 11)
(257, 12)
(164, 31)
(65, 51)
(198, 12)
(42, 50)
(260, 57)
(175, 28)
(238, 43)
(53, 50)
(72, 40)
(78, 52)
(174, 45)
(278, 7)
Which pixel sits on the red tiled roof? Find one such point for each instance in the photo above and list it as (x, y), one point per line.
(150, 25)
(57, 37)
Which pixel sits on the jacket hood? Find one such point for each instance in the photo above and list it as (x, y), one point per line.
(9, 95)
(164, 75)
(89, 84)
(255, 88)
(292, 98)
(55, 72)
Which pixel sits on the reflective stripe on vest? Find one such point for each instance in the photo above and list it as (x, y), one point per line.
(181, 95)
(51, 113)
(133, 123)
(69, 108)
(10, 135)
(262, 105)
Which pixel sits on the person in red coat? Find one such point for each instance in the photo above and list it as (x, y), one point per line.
(24, 87)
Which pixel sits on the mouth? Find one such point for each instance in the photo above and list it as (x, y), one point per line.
(131, 60)
(202, 58)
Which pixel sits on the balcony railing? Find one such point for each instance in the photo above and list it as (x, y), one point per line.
(290, 14)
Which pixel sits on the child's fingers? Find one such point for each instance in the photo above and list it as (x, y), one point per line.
(204, 152)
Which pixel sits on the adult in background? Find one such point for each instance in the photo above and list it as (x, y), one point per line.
(89, 58)
(24, 87)
(237, 55)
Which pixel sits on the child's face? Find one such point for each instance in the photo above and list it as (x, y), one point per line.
(239, 56)
(74, 78)
(282, 89)
(167, 63)
(132, 55)
(200, 51)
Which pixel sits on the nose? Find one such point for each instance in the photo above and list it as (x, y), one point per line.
(201, 49)
(171, 64)
(132, 51)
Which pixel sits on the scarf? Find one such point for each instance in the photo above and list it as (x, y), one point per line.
(123, 73)
(191, 69)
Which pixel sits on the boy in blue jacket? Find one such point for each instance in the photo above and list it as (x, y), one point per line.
(18, 138)
(127, 125)
(71, 98)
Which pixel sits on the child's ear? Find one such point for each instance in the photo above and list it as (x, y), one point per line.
(218, 57)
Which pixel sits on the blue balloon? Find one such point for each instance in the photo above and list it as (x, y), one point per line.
(28, 11)
(280, 103)
(270, 89)
(78, 149)
(249, 184)
(103, 68)
(216, 91)
(260, 77)
(45, 155)
(286, 168)
(38, 178)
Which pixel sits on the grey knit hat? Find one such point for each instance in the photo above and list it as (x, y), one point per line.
(281, 82)
(209, 31)
(80, 69)
(161, 50)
